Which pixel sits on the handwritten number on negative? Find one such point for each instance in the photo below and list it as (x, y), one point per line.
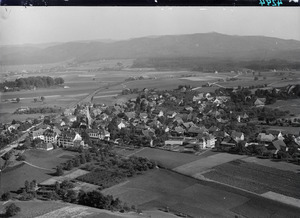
(279, 2)
(262, 2)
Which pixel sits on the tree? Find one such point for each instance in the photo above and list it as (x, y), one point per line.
(18, 100)
(32, 185)
(69, 165)
(76, 162)
(82, 159)
(42, 98)
(5, 196)
(12, 210)
(35, 100)
(59, 171)
(26, 185)
(57, 186)
(255, 78)
(71, 196)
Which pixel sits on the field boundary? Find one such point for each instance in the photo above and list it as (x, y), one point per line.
(32, 165)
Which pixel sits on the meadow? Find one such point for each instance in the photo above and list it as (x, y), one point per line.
(45, 209)
(13, 179)
(163, 158)
(292, 105)
(48, 159)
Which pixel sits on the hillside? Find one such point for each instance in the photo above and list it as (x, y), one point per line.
(207, 45)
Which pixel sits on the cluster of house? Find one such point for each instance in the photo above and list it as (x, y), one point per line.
(66, 138)
(184, 126)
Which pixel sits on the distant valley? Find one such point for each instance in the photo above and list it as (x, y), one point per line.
(188, 51)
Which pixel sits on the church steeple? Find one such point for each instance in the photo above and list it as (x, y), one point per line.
(88, 116)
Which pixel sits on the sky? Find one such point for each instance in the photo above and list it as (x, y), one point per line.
(33, 25)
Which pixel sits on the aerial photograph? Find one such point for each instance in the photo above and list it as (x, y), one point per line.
(161, 112)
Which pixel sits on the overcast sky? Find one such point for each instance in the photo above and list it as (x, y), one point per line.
(19, 25)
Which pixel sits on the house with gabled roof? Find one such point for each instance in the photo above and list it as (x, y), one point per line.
(277, 146)
(178, 120)
(237, 136)
(195, 130)
(143, 116)
(130, 115)
(198, 97)
(260, 102)
(121, 124)
(263, 137)
(38, 133)
(178, 130)
(171, 114)
(158, 113)
(188, 125)
(280, 136)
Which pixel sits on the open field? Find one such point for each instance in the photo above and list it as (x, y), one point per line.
(45, 209)
(48, 159)
(292, 105)
(256, 178)
(281, 165)
(163, 188)
(14, 178)
(166, 159)
(35, 208)
(197, 167)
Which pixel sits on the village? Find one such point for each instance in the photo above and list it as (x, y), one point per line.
(181, 120)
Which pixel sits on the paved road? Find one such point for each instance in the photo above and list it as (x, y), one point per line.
(16, 143)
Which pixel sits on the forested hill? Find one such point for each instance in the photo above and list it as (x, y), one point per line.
(204, 45)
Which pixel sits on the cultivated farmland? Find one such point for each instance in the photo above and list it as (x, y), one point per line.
(256, 178)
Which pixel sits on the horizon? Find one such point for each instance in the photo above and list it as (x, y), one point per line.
(36, 26)
(118, 40)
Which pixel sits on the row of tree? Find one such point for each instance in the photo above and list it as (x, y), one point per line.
(39, 110)
(31, 82)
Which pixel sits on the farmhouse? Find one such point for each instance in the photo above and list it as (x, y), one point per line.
(22, 109)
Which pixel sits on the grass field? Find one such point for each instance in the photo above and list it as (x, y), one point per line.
(256, 178)
(197, 167)
(45, 209)
(14, 178)
(292, 105)
(48, 159)
(166, 159)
